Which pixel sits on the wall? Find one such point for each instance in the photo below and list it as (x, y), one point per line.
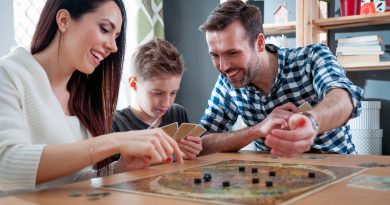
(7, 27)
(181, 20)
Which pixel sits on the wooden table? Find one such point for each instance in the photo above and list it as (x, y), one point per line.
(338, 193)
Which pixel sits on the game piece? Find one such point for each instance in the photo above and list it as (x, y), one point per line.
(225, 183)
(95, 195)
(74, 194)
(183, 130)
(255, 180)
(312, 175)
(254, 170)
(305, 107)
(98, 193)
(207, 177)
(272, 173)
(241, 168)
(197, 181)
(269, 183)
(381, 183)
(170, 129)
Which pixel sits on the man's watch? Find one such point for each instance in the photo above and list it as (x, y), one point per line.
(312, 119)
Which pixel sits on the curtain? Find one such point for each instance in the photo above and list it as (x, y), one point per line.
(150, 20)
(144, 22)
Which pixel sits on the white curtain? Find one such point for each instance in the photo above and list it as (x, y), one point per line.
(145, 21)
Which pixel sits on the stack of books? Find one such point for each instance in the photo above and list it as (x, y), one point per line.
(363, 49)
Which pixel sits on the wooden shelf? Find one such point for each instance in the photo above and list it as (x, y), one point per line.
(367, 66)
(352, 21)
(270, 29)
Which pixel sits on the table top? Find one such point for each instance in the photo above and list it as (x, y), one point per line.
(337, 193)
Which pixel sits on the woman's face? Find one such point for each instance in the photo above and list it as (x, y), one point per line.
(90, 39)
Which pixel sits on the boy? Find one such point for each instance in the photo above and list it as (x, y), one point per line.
(157, 69)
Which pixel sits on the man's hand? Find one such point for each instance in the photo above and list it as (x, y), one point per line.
(294, 141)
(277, 119)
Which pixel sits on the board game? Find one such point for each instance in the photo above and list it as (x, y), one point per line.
(240, 182)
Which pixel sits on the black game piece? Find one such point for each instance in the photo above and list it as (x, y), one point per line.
(241, 169)
(255, 180)
(225, 183)
(207, 177)
(197, 181)
(269, 184)
(254, 170)
(272, 173)
(312, 175)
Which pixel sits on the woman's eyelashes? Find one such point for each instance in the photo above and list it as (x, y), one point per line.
(104, 29)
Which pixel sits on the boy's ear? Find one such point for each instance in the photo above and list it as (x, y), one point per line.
(133, 82)
(260, 42)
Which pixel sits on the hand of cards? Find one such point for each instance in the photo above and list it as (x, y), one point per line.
(185, 129)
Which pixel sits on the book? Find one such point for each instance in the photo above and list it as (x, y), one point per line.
(359, 48)
(361, 39)
(363, 43)
(352, 53)
(358, 59)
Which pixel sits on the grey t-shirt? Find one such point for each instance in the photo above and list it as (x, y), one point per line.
(125, 120)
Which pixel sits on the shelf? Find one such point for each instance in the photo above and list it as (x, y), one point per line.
(353, 21)
(270, 29)
(367, 67)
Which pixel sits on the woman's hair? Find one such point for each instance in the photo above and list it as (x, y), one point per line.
(157, 58)
(93, 97)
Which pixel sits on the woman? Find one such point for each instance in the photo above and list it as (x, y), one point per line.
(54, 98)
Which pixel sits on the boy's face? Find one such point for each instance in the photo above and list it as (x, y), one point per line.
(154, 96)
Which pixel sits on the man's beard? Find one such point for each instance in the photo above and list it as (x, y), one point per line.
(249, 73)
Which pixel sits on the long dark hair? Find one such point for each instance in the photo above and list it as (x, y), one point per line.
(93, 97)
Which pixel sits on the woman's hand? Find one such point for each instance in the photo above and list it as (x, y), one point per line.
(139, 148)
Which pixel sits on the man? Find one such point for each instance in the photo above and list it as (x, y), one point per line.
(265, 84)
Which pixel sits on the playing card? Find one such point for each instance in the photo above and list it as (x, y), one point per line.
(170, 129)
(197, 131)
(183, 130)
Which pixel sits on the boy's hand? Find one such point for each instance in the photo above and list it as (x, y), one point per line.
(190, 146)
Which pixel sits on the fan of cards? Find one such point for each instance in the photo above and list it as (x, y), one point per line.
(185, 129)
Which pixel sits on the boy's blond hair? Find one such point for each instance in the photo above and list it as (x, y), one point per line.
(157, 58)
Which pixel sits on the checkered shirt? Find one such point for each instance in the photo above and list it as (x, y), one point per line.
(304, 74)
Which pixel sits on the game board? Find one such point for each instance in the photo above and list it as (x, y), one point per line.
(290, 180)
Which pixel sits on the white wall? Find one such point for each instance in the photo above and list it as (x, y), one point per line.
(7, 39)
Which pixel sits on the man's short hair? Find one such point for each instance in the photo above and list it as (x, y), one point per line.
(228, 12)
(157, 58)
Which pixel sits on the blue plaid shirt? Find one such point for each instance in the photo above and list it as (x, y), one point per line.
(304, 74)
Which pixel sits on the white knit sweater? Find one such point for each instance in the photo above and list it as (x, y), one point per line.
(31, 117)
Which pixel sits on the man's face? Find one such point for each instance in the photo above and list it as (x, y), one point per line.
(232, 54)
